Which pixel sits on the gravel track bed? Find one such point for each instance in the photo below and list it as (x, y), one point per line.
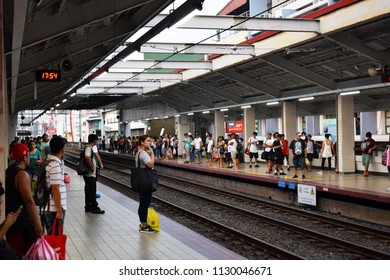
(297, 244)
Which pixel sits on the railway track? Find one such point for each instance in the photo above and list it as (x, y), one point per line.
(247, 208)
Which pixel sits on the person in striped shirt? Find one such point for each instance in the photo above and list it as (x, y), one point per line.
(55, 179)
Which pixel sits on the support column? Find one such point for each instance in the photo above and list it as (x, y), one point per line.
(3, 111)
(368, 124)
(219, 125)
(345, 134)
(289, 114)
(181, 127)
(249, 127)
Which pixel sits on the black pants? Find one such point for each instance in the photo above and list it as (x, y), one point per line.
(329, 163)
(90, 193)
(144, 203)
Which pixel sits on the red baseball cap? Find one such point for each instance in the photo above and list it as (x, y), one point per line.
(18, 151)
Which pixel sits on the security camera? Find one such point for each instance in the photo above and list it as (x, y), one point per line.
(373, 71)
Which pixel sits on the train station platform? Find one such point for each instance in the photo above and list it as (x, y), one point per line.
(115, 235)
(373, 187)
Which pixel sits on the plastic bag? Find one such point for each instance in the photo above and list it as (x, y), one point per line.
(57, 242)
(152, 220)
(41, 250)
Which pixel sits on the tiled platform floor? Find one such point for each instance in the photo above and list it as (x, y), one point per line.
(115, 236)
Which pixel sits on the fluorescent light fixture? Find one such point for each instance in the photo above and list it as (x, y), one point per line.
(226, 116)
(52, 108)
(246, 106)
(139, 121)
(190, 114)
(73, 94)
(58, 104)
(350, 92)
(147, 119)
(224, 110)
(177, 116)
(156, 118)
(205, 112)
(85, 86)
(306, 98)
(63, 101)
(273, 103)
(165, 117)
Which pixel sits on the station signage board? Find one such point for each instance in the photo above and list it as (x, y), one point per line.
(307, 194)
(235, 127)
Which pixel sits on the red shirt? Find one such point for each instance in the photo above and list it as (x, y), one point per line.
(285, 147)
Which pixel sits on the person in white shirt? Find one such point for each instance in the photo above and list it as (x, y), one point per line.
(253, 151)
(232, 148)
(209, 150)
(268, 144)
(197, 143)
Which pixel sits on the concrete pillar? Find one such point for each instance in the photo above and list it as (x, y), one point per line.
(345, 134)
(181, 127)
(12, 124)
(249, 126)
(3, 111)
(300, 124)
(289, 114)
(313, 125)
(219, 125)
(368, 124)
(263, 127)
(381, 117)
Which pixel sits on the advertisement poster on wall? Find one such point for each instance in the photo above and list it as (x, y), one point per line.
(235, 127)
(328, 126)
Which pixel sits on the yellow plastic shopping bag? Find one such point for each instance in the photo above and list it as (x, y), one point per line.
(153, 221)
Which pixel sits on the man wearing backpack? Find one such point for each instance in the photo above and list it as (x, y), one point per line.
(91, 204)
(55, 210)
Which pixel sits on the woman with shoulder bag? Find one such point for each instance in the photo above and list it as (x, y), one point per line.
(145, 159)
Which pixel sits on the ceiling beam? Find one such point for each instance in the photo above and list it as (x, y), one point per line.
(139, 76)
(172, 103)
(216, 91)
(68, 20)
(248, 82)
(358, 46)
(158, 64)
(198, 48)
(193, 97)
(243, 23)
(299, 71)
(110, 84)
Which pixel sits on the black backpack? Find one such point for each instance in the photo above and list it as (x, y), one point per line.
(41, 190)
(82, 166)
(239, 147)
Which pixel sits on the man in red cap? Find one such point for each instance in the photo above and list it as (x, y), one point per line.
(23, 233)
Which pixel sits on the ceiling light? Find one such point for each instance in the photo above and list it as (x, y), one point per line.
(224, 110)
(177, 116)
(273, 103)
(306, 98)
(52, 108)
(246, 106)
(190, 114)
(350, 92)
(156, 118)
(63, 101)
(58, 104)
(165, 117)
(73, 94)
(205, 112)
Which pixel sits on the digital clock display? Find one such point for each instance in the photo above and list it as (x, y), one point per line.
(48, 75)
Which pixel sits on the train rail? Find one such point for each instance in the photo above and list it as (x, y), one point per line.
(247, 209)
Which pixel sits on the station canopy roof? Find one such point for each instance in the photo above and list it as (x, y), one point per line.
(311, 58)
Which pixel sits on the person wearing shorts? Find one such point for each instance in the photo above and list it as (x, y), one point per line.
(368, 146)
(299, 152)
(253, 151)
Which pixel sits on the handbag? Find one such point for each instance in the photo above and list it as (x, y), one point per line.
(264, 156)
(143, 180)
(58, 242)
(82, 166)
(152, 219)
(247, 152)
(41, 250)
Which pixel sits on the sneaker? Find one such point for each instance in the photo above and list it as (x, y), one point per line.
(303, 177)
(295, 176)
(282, 173)
(146, 229)
(275, 173)
(388, 189)
(257, 165)
(250, 165)
(288, 168)
(98, 211)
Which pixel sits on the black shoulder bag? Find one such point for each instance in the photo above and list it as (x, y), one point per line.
(143, 180)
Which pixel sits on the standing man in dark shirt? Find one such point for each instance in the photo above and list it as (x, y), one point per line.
(298, 149)
(368, 146)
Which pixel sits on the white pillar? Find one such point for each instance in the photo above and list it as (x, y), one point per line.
(181, 126)
(219, 125)
(345, 134)
(249, 126)
(289, 111)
